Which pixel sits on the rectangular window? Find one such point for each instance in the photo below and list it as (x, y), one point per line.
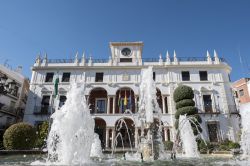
(62, 101)
(99, 77)
(166, 104)
(185, 76)
(203, 75)
(49, 77)
(66, 77)
(241, 92)
(45, 104)
(236, 94)
(213, 132)
(154, 76)
(207, 103)
(126, 60)
(100, 106)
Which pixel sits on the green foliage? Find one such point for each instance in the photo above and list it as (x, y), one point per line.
(184, 103)
(168, 145)
(42, 134)
(20, 136)
(204, 147)
(183, 92)
(189, 110)
(183, 97)
(228, 145)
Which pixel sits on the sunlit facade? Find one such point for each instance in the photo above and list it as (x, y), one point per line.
(112, 91)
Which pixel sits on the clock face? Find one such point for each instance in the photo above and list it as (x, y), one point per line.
(126, 52)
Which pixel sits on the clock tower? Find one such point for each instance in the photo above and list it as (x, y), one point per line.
(126, 52)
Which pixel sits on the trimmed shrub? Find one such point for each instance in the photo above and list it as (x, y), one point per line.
(183, 92)
(189, 110)
(183, 97)
(42, 134)
(168, 145)
(184, 103)
(20, 136)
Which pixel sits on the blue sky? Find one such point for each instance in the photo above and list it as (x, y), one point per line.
(61, 28)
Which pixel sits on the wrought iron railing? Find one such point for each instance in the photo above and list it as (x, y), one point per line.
(180, 59)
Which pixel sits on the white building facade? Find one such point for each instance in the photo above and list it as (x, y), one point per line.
(110, 82)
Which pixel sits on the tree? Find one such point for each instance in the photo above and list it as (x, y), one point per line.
(42, 134)
(183, 97)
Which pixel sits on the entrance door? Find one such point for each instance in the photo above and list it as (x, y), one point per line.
(213, 132)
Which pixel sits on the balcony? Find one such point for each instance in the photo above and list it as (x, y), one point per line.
(8, 110)
(42, 110)
(208, 109)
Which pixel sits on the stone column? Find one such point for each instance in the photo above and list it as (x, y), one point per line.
(113, 138)
(166, 134)
(163, 104)
(107, 138)
(136, 137)
(136, 103)
(114, 104)
(108, 105)
(213, 102)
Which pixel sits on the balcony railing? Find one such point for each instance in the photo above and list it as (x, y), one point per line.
(209, 109)
(42, 110)
(180, 59)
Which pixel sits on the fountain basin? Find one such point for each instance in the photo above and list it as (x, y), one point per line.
(24, 160)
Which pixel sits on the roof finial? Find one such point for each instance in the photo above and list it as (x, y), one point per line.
(175, 58)
(167, 58)
(209, 60)
(216, 58)
(160, 60)
(76, 57)
(90, 60)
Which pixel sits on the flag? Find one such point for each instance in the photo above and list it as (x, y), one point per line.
(119, 99)
(56, 85)
(125, 103)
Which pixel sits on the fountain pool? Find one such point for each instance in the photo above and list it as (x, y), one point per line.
(25, 160)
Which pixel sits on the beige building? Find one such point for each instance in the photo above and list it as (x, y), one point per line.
(241, 90)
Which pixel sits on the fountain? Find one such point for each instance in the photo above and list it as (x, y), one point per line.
(72, 131)
(245, 136)
(150, 141)
(72, 140)
(189, 144)
(96, 148)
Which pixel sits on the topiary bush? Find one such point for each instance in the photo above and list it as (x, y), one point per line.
(42, 134)
(183, 97)
(20, 136)
(184, 103)
(183, 92)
